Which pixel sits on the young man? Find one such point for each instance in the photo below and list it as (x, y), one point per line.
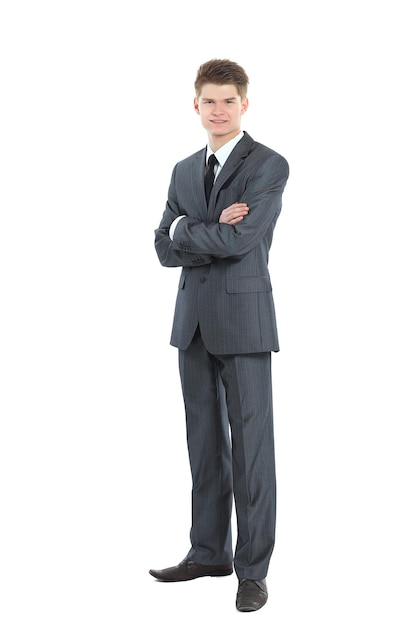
(225, 329)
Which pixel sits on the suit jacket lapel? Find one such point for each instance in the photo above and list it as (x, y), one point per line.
(197, 177)
(235, 160)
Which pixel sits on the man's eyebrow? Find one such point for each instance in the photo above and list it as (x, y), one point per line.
(231, 98)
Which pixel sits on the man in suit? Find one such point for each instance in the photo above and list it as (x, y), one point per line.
(225, 330)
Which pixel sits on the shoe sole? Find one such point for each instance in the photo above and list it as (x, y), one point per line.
(220, 573)
(213, 574)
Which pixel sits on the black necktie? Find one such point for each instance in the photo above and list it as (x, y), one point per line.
(209, 177)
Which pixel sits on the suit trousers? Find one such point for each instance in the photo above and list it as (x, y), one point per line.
(229, 425)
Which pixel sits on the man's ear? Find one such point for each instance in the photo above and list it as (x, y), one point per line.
(196, 107)
(245, 104)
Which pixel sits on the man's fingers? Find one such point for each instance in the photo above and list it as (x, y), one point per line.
(234, 213)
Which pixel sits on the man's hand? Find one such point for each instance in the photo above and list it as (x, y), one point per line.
(234, 213)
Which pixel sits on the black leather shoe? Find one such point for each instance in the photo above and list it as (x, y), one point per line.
(188, 570)
(251, 595)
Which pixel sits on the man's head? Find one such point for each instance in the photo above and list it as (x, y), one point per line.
(220, 99)
(222, 72)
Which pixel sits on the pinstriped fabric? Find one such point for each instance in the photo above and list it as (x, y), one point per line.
(247, 380)
(232, 320)
(219, 390)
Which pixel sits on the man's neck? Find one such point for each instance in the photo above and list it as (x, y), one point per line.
(215, 142)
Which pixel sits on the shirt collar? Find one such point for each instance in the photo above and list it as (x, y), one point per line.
(224, 152)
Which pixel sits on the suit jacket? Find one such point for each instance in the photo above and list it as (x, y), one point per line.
(225, 285)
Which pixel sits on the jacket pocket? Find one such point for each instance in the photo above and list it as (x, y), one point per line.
(248, 284)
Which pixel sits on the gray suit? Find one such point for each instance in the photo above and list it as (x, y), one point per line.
(225, 329)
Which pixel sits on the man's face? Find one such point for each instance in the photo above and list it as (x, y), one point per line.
(220, 108)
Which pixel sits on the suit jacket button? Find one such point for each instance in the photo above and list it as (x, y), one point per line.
(202, 279)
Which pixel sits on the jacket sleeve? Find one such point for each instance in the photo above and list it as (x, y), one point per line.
(263, 195)
(168, 255)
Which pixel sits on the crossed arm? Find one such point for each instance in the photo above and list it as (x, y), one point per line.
(240, 227)
(174, 258)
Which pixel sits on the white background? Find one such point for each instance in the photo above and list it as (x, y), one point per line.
(96, 108)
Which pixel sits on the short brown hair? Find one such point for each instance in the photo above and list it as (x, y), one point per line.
(222, 72)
